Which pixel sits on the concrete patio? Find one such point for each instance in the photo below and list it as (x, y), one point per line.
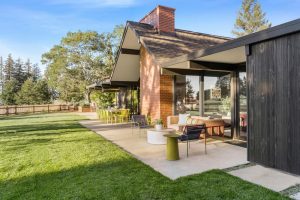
(219, 155)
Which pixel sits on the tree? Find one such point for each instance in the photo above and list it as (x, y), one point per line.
(42, 92)
(8, 95)
(250, 19)
(26, 95)
(189, 91)
(35, 73)
(1, 75)
(28, 69)
(223, 83)
(103, 99)
(81, 58)
(19, 73)
(34, 92)
(8, 69)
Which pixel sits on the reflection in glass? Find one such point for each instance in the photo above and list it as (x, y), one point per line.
(187, 94)
(243, 105)
(217, 96)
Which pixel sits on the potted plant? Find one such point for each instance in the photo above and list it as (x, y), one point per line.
(158, 124)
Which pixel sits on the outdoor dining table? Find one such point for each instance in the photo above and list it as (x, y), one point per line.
(172, 146)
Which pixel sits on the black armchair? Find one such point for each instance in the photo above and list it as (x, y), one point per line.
(192, 133)
(140, 122)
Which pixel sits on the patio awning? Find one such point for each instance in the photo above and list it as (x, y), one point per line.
(111, 86)
(233, 52)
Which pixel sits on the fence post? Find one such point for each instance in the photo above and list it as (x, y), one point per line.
(6, 110)
(15, 110)
(48, 108)
(33, 109)
(60, 107)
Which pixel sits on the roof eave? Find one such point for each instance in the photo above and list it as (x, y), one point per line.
(270, 33)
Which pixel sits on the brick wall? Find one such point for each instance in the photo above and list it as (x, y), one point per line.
(156, 91)
(166, 97)
(162, 18)
(149, 85)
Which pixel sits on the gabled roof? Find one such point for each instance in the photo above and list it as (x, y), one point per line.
(167, 45)
(162, 45)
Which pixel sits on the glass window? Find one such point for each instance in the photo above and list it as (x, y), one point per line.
(217, 96)
(187, 94)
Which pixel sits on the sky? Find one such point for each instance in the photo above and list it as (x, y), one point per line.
(30, 28)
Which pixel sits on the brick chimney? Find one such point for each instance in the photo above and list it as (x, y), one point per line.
(162, 18)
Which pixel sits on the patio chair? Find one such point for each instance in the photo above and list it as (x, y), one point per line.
(193, 133)
(140, 122)
(123, 115)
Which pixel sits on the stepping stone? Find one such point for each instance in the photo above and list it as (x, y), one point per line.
(296, 196)
(267, 177)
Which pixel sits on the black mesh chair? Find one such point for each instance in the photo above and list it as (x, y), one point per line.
(193, 133)
(140, 122)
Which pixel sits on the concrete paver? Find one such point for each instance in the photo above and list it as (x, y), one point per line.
(270, 178)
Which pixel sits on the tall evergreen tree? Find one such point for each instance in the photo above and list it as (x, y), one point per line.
(28, 69)
(26, 95)
(1, 75)
(35, 72)
(8, 95)
(42, 92)
(19, 73)
(250, 19)
(8, 68)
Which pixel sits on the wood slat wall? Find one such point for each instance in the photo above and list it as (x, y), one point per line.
(273, 73)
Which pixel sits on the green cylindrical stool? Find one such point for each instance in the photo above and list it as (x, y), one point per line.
(172, 146)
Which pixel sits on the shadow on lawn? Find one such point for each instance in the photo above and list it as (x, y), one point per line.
(127, 178)
(26, 129)
(115, 179)
(33, 115)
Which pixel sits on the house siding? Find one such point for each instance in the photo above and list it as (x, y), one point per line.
(273, 73)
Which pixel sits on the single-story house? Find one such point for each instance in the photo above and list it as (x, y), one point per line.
(251, 81)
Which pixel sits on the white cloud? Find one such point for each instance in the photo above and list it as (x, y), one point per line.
(95, 3)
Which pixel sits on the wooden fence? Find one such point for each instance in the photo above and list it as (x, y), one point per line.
(11, 110)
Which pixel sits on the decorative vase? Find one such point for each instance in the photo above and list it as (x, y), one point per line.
(158, 127)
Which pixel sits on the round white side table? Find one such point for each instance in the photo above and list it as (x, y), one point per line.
(157, 136)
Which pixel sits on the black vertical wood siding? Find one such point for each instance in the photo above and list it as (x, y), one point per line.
(273, 73)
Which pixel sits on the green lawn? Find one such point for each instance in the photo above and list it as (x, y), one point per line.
(51, 156)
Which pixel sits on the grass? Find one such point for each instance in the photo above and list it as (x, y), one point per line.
(51, 156)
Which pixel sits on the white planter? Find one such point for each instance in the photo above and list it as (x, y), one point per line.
(158, 126)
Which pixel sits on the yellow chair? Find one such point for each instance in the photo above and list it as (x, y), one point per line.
(123, 116)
